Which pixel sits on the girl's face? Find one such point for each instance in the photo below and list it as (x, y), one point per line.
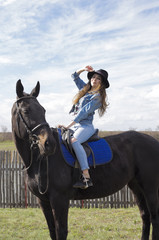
(96, 81)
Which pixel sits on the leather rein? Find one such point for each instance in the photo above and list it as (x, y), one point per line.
(34, 141)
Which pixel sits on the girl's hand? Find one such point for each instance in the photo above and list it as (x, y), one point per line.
(62, 126)
(89, 68)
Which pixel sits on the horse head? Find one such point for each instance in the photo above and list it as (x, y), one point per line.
(28, 120)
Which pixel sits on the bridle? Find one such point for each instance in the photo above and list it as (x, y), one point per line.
(33, 139)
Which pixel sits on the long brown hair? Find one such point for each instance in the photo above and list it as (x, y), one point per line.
(102, 93)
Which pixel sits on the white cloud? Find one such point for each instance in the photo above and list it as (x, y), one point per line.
(46, 41)
(7, 2)
(4, 60)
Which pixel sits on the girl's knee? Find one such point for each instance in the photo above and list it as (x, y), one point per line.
(73, 140)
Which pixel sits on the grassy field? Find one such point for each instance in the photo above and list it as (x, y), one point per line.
(7, 146)
(84, 224)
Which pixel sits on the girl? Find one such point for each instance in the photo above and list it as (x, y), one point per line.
(92, 96)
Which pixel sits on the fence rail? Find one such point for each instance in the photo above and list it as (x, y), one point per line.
(14, 191)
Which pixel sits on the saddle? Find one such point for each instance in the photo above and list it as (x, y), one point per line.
(66, 138)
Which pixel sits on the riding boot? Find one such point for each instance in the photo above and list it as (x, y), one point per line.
(83, 183)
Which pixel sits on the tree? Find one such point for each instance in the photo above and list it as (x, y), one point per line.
(157, 128)
(4, 133)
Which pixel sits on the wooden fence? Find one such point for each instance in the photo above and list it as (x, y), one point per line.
(14, 191)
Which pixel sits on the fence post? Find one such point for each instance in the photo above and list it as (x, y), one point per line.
(0, 178)
(26, 202)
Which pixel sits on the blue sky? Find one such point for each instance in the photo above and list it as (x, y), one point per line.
(47, 40)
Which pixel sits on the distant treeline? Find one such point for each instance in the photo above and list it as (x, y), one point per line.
(154, 134)
(7, 136)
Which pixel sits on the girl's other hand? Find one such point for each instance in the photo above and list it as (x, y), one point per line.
(62, 126)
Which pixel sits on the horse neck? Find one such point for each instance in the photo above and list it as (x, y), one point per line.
(56, 137)
(23, 148)
(58, 156)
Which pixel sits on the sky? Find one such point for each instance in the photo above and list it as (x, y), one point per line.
(48, 40)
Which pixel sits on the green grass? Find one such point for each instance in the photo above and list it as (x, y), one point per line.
(84, 224)
(7, 146)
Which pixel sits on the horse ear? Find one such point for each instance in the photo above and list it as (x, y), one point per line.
(36, 90)
(19, 89)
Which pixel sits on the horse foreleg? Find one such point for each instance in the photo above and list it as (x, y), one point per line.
(46, 208)
(60, 206)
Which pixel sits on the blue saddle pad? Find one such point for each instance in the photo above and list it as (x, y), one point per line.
(102, 152)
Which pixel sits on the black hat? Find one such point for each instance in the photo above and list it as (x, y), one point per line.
(102, 73)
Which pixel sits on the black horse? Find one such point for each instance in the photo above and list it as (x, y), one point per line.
(135, 163)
